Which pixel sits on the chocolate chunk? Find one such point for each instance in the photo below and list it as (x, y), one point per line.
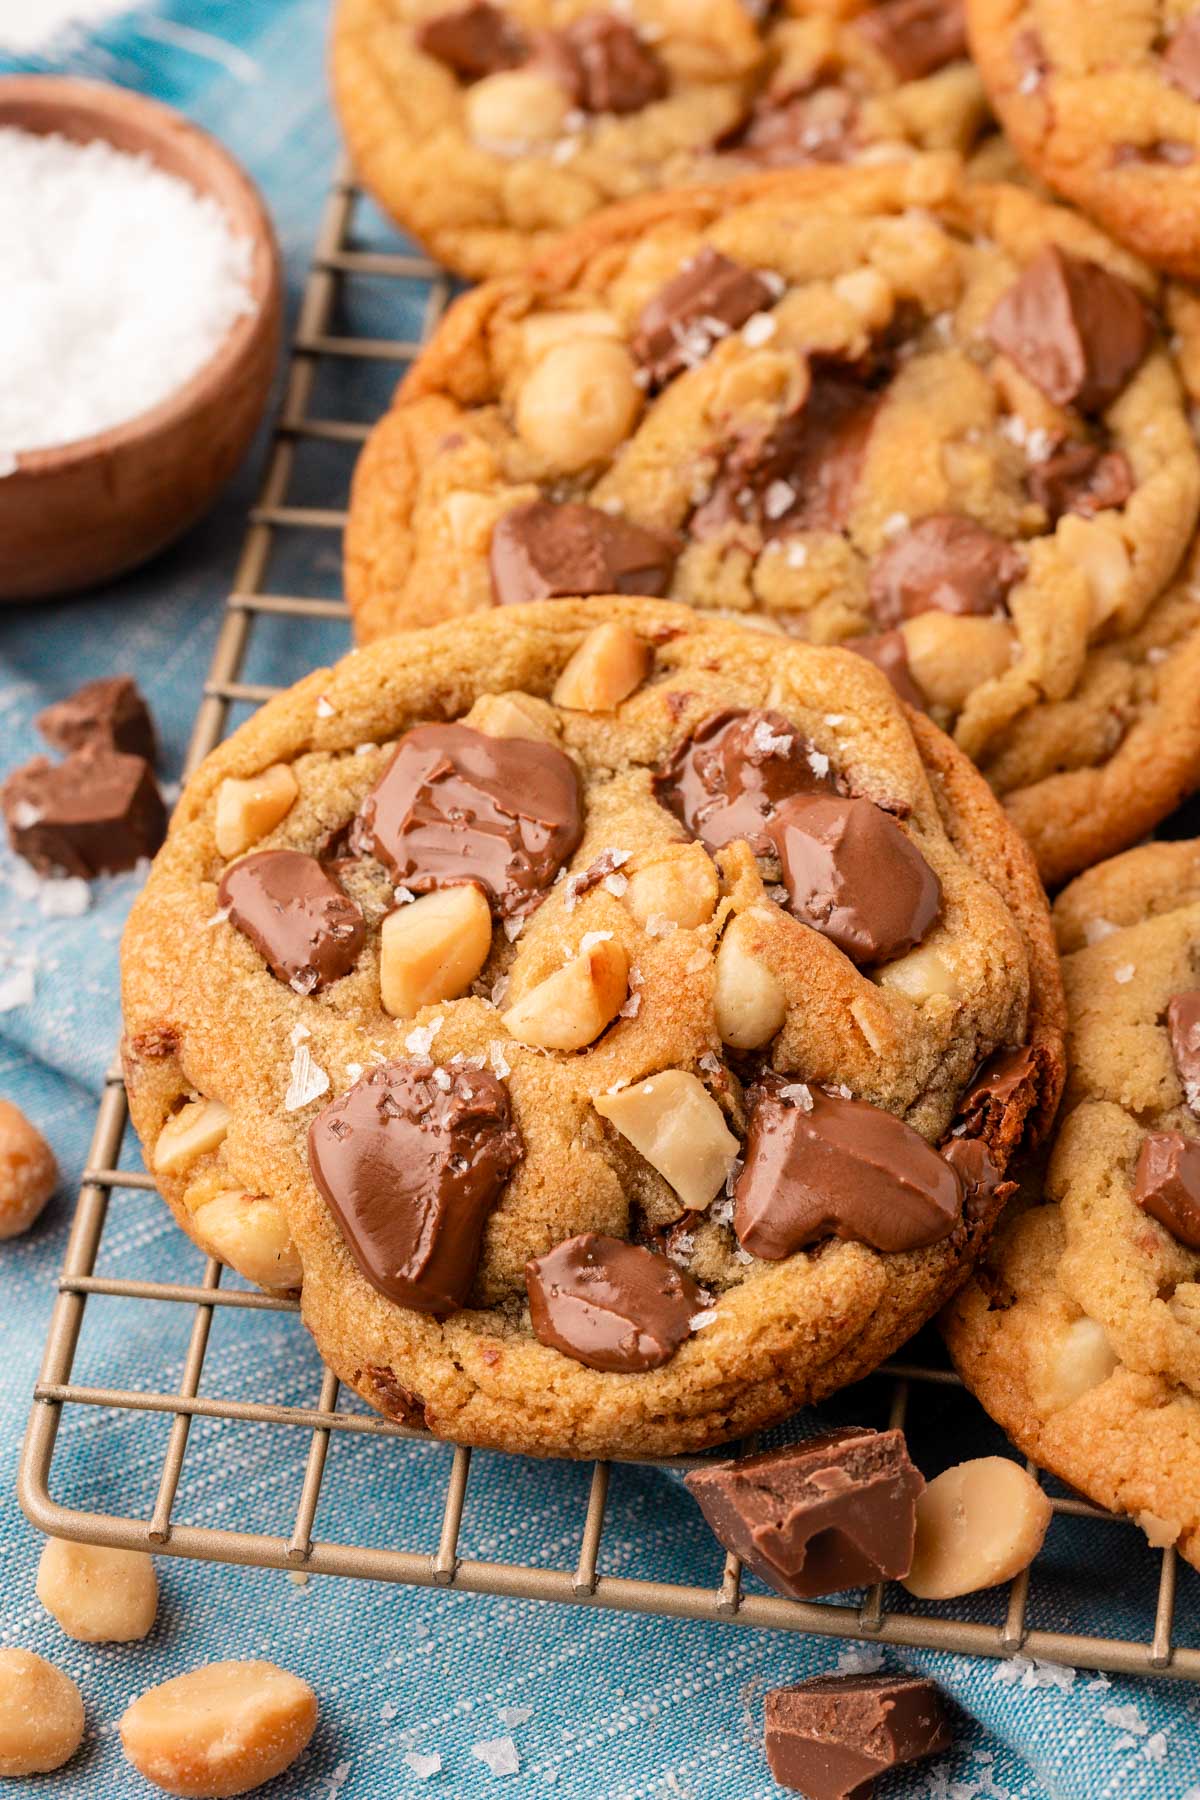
(973, 1163)
(97, 813)
(109, 712)
(945, 563)
(831, 1166)
(1166, 1184)
(1074, 329)
(611, 1305)
(853, 875)
(1183, 1029)
(304, 927)
(474, 40)
(455, 805)
(802, 476)
(916, 36)
(618, 73)
(544, 551)
(790, 130)
(836, 1511)
(995, 1085)
(829, 1738)
(710, 297)
(888, 651)
(411, 1166)
(1181, 58)
(726, 780)
(1079, 478)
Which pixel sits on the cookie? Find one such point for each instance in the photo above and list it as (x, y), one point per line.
(1080, 1332)
(947, 422)
(1105, 109)
(490, 1024)
(487, 129)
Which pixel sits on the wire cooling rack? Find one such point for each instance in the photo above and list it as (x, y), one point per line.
(324, 361)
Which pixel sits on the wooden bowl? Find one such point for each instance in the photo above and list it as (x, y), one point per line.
(75, 515)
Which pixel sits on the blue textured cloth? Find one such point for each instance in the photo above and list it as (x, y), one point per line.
(611, 1707)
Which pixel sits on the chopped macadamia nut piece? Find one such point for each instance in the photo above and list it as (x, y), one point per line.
(674, 1122)
(198, 1127)
(1161, 1533)
(1080, 1360)
(951, 654)
(41, 1714)
(516, 107)
(513, 715)
(541, 330)
(247, 810)
(219, 1730)
(250, 1233)
(978, 1524)
(1097, 548)
(432, 949)
(748, 999)
(921, 975)
(680, 889)
(98, 1595)
(572, 1007)
(609, 664)
(28, 1171)
(579, 402)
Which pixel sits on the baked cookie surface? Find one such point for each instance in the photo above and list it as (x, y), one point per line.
(487, 129)
(460, 992)
(1104, 106)
(1080, 1332)
(881, 405)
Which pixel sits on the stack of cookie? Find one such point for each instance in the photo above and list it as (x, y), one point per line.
(622, 995)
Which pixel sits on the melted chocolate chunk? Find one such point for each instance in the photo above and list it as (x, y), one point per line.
(916, 36)
(618, 72)
(1076, 331)
(97, 813)
(803, 475)
(455, 805)
(710, 297)
(110, 712)
(791, 130)
(545, 551)
(973, 1163)
(304, 927)
(410, 1169)
(726, 780)
(830, 1737)
(854, 876)
(945, 563)
(841, 1168)
(1079, 478)
(610, 1305)
(888, 651)
(1183, 1029)
(1166, 1184)
(473, 41)
(836, 1511)
(1181, 58)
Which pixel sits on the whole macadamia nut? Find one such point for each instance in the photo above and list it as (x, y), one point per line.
(98, 1595)
(28, 1171)
(41, 1714)
(222, 1729)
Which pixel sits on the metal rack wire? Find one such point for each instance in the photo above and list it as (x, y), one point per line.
(317, 347)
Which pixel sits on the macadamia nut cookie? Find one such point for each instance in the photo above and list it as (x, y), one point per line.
(1080, 1332)
(1104, 105)
(948, 424)
(620, 1071)
(487, 129)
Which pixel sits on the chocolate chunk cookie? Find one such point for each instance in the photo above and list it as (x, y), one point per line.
(946, 423)
(487, 129)
(478, 991)
(1081, 1331)
(1105, 108)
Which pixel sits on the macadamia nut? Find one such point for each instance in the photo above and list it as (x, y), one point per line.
(950, 655)
(513, 715)
(250, 1233)
(609, 664)
(514, 108)
(579, 402)
(674, 1122)
(680, 889)
(197, 1128)
(978, 1524)
(41, 1714)
(1080, 1360)
(571, 1007)
(28, 1171)
(748, 1000)
(433, 948)
(247, 810)
(922, 974)
(98, 1595)
(219, 1730)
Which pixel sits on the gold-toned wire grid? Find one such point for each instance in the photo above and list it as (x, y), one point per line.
(877, 1618)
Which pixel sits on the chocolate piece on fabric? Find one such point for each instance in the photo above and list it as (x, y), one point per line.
(97, 813)
(110, 712)
(829, 1738)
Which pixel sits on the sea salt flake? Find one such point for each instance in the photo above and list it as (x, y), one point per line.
(759, 328)
(512, 1716)
(297, 1035)
(499, 1062)
(658, 925)
(590, 939)
(894, 524)
(859, 1659)
(1155, 1747)
(768, 742)
(308, 1081)
(499, 1755)
(443, 1079)
(25, 813)
(365, 749)
(16, 987)
(615, 885)
(777, 500)
(513, 929)
(699, 1320)
(1157, 654)
(1125, 1718)
(353, 1071)
(1096, 930)
(797, 1094)
(324, 709)
(797, 555)
(420, 1039)
(403, 896)
(423, 1765)
(818, 762)
(65, 897)
(1030, 82)
(304, 982)
(1124, 973)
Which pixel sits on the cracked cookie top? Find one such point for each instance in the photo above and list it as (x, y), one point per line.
(946, 424)
(486, 129)
(619, 1023)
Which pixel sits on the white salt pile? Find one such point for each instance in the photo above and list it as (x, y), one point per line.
(33, 24)
(120, 282)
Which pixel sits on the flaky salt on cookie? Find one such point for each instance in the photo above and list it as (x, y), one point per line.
(614, 1076)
